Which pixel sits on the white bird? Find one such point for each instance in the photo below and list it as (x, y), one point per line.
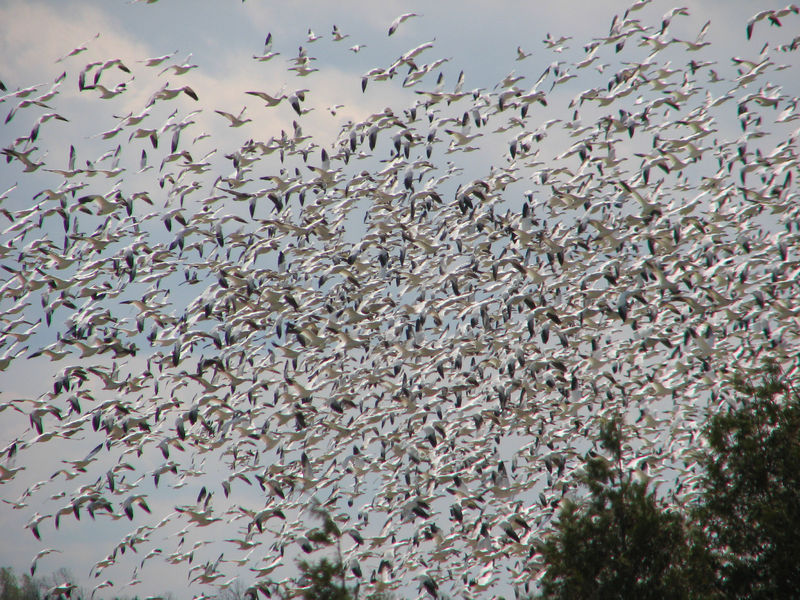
(267, 52)
(295, 98)
(271, 100)
(401, 19)
(773, 16)
(235, 121)
(154, 62)
(180, 69)
(337, 35)
(80, 48)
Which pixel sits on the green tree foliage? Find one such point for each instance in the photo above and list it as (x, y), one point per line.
(324, 580)
(13, 589)
(751, 501)
(621, 542)
(56, 586)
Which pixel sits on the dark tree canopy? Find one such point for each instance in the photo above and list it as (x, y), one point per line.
(738, 539)
(751, 502)
(324, 580)
(14, 588)
(621, 542)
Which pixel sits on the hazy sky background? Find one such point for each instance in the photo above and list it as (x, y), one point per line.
(222, 38)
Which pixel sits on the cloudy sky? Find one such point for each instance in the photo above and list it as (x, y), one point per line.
(40, 40)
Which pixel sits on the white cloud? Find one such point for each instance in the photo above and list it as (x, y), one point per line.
(34, 35)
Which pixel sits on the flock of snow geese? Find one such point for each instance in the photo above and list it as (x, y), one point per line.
(397, 346)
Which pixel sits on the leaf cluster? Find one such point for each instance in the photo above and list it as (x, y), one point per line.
(622, 542)
(740, 539)
(13, 589)
(750, 506)
(323, 580)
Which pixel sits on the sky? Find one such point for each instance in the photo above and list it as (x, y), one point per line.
(219, 43)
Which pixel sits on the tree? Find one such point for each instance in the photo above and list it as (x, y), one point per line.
(750, 505)
(324, 580)
(12, 589)
(620, 542)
